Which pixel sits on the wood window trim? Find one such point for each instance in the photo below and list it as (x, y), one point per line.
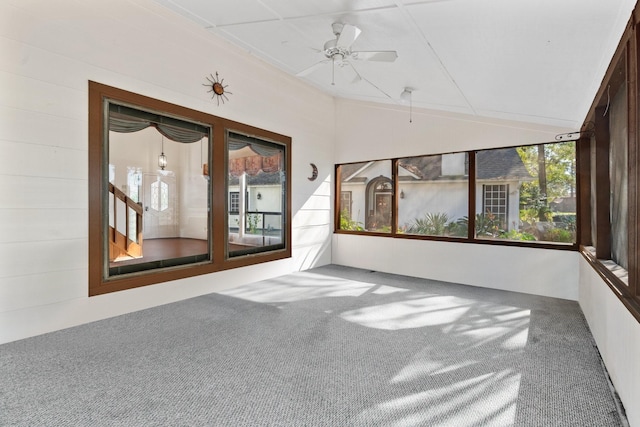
(628, 290)
(602, 199)
(472, 192)
(98, 284)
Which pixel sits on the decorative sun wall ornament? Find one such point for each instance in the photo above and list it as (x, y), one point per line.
(217, 88)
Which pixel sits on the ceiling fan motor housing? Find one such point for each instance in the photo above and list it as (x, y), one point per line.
(334, 52)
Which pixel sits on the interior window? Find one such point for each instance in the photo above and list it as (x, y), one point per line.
(159, 217)
(256, 188)
(163, 206)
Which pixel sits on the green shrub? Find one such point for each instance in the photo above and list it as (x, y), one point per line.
(559, 235)
(346, 223)
(518, 235)
(432, 224)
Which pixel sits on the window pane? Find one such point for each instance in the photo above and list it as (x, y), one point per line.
(618, 174)
(161, 214)
(434, 195)
(370, 192)
(527, 193)
(257, 195)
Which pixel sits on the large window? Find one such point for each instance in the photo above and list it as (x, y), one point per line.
(433, 195)
(157, 192)
(525, 195)
(609, 154)
(256, 171)
(369, 204)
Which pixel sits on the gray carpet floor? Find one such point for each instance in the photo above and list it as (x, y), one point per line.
(332, 346)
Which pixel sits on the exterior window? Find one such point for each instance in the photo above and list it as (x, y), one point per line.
(527, 193)
(523, 194)
(433, 195)
(154, 222)
(609, 154)
(159, 196)
(618, 169)
(366, 197)
(134, 181)
(494, 203)
(345, 203)
(234, 201)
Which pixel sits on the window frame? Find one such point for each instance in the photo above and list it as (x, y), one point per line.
(471, 205)
(101, 283)
(234, 199)
(594, 172)
(504, 188)
(344, 193)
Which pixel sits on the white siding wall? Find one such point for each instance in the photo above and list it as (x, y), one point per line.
(50, 49)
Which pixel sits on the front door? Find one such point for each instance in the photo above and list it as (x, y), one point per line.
(382, 216)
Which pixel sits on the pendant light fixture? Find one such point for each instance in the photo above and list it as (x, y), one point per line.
(162, 159)
(406, 97)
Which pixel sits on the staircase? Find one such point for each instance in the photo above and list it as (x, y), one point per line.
(125, 226)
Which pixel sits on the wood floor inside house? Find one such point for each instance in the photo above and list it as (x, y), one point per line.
(169, 248)
(159, 249)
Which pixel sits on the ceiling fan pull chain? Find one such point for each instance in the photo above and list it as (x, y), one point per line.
(333, 70)
(411, 108)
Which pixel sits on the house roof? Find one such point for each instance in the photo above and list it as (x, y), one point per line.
(495, 164)
(262, 178)
(502, 163)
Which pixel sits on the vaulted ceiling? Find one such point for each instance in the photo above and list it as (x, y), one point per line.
(538, 61)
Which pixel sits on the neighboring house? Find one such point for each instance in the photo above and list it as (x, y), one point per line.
(434, 184)
(261, 204)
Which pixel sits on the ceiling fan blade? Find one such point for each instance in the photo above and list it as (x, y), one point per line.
(347, 36)
(311, 69)
(376, 55)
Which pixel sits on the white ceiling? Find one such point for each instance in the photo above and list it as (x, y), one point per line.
(537, 61)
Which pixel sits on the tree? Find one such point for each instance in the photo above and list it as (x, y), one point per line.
(554, 166)
(542, 180)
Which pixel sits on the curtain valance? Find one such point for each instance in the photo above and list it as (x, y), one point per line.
(125, 120)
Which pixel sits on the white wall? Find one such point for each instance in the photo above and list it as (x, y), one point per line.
(617, 334)
(50, 50)
(534, 271)
(368, 132)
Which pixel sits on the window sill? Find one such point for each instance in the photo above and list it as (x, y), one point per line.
(481, 241)
(616, 277)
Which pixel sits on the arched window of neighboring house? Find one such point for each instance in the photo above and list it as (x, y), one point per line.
(379, 195)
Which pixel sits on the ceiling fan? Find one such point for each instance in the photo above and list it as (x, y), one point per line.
(339, 51)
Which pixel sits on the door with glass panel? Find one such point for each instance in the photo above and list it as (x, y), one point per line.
(160, 216)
